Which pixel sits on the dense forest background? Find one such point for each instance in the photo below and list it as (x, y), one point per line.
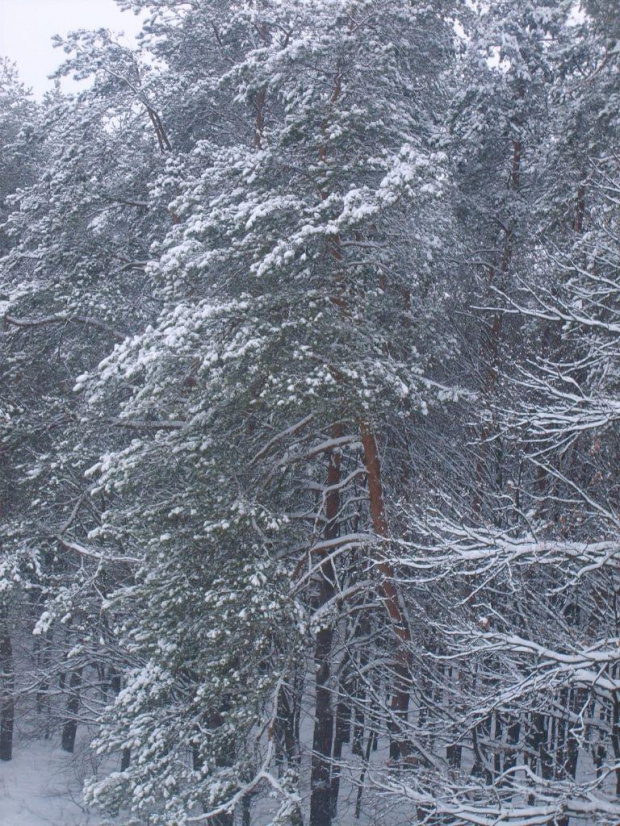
(309, 413)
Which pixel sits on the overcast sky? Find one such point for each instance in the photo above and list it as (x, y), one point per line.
(26, 28)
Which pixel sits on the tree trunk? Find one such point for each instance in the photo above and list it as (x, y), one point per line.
(342, 733)
(320, 775)
(288, 751)
(389, 592)
(321, 799)
(69, 729)
(7, 688)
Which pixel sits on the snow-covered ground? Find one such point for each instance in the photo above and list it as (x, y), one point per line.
(41, 786)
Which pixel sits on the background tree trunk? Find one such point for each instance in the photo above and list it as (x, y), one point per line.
(70, 726)
(7, 687)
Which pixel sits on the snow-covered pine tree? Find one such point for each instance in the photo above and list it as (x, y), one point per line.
(297, 280)
(19, 159)
(74, 283)
(253, 227)
(529, 644)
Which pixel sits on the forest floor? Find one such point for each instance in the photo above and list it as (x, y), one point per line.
(41, 786)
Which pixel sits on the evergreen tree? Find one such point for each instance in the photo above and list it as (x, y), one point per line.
(285, 277)
(309, 407)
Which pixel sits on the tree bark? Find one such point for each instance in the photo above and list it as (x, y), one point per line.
(321, 798)
(7, 688)
(389, 593)
(69, 729)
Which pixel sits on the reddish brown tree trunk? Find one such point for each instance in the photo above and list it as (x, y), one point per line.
(389, 590)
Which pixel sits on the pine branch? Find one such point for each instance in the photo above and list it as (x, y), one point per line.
(63, 318)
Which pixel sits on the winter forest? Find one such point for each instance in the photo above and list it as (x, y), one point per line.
(310, 414)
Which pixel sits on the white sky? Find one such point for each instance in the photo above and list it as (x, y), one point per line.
(26, 28)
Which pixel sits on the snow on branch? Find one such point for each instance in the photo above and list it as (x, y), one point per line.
(63, 318)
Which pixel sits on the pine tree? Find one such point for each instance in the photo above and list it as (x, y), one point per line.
(18, 164)
(73, 279)
(536, 597)
(286, 274)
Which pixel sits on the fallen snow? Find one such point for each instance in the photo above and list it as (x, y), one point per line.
(41, 786)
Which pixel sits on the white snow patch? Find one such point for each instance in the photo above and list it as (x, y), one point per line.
(39, 787)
